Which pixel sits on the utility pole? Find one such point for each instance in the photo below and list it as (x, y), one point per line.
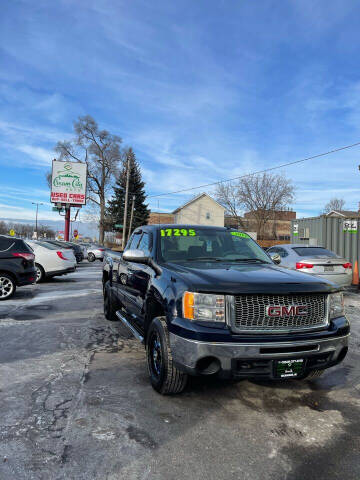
(131, 216)
(126, 200)
(36, 218)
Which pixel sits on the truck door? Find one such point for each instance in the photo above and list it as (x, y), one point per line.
(124, 271)
(138, 276)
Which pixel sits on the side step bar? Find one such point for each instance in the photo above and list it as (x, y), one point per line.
(130, 327)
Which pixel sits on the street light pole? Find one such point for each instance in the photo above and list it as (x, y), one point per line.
(36, 218)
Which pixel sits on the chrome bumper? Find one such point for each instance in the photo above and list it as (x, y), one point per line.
(186, 353)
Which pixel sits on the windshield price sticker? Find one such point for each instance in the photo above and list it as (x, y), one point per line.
(177, 232)
(240, 234)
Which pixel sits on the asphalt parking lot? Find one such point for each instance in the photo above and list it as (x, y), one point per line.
(75, 403)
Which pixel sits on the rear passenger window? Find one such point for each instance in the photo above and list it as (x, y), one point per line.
(22, 247)
(5, 243)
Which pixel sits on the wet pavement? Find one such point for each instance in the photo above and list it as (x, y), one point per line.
(76, 403)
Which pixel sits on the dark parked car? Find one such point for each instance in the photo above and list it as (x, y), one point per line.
(78, 252)
(210, 301)
(17, 267)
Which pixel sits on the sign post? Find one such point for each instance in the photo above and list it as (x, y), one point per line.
(68, 188)
(67, 224)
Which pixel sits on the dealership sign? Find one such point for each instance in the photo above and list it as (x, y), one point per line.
(350, 226)
(68, 182)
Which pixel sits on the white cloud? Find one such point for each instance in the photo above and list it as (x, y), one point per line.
(41, 156)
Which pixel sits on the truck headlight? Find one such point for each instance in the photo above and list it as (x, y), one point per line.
(206, 307)
(336, 305)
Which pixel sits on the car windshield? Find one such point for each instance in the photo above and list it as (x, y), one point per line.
(314, 252)
(208, 244)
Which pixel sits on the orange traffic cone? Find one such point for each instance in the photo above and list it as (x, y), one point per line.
(355, 278)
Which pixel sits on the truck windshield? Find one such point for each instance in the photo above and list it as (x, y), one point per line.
(205, 244)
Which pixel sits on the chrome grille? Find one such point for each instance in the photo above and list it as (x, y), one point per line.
(248, 312)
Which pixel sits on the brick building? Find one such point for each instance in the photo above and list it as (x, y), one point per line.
(277, 228)
(160, 218)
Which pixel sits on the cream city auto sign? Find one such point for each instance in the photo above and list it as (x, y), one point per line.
(68, 182)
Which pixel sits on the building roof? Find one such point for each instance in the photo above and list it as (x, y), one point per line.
(195, 199)
(344, 213)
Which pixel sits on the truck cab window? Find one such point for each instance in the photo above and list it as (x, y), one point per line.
(144, 244)
(133, 242)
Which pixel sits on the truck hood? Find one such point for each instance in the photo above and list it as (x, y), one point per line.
(247, 278)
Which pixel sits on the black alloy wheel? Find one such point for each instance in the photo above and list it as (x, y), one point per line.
(165, 378)
(155, 355)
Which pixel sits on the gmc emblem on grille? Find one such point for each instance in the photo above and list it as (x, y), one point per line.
(283, 311)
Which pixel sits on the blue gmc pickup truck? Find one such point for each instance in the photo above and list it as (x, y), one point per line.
(209, 301)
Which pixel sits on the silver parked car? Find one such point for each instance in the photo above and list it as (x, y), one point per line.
(95, 252)
(316, 261)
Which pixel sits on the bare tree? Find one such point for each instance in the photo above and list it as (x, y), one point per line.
(25, 230)
(334, 204)
(3, 228)
(100, 150)
(48, 177)
(262, 195)
(226, 195)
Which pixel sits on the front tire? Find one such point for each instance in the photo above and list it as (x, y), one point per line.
(7, 286)
(91, 257)
(109, 310)
(165, 378)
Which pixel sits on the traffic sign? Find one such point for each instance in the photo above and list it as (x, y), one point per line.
(12, 232)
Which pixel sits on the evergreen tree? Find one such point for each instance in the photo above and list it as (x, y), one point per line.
(115, 210)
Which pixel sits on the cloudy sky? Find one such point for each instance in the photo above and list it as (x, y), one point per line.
(202, 90)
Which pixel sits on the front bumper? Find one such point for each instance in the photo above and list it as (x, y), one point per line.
(249, 360)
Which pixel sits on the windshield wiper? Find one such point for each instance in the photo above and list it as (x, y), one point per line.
(211, 259)
(226, 260)
(258, 260)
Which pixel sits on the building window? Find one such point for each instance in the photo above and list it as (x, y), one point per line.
(208, 216)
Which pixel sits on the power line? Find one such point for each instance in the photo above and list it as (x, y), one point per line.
(259, 171)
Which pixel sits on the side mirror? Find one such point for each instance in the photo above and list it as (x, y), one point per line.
(135, 256)
(275, 257)
(138, 256)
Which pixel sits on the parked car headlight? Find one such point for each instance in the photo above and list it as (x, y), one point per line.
(206, 307)
(336, 305)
